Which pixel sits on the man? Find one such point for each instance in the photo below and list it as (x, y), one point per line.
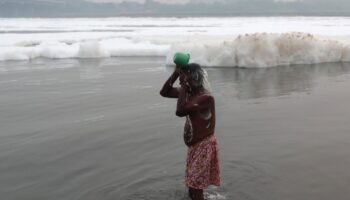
(196, 104)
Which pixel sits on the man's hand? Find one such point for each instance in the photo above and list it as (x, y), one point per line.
(177, 69)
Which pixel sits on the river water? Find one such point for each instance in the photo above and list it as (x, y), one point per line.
(97, 129)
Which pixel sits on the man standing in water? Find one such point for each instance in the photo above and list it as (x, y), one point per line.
(196, 104)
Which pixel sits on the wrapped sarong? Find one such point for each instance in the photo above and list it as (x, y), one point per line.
(202, 166)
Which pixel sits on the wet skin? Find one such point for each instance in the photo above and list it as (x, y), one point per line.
(198, 106)
(200, 116)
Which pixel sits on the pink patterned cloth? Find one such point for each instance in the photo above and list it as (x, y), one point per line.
(202, 166)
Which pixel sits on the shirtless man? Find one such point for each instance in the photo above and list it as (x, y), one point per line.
(198, 106)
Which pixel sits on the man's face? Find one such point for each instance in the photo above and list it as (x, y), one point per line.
(185, 78)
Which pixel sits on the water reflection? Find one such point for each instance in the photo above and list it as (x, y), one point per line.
(91, 68)
(243, 83)
(37, 64)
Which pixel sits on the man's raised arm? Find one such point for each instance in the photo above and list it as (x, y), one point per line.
(168, 90)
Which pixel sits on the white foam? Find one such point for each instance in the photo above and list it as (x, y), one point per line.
(126, 47)
(83, 49)
(229, 42)
(92, 49)
(248, 50)
(214, 196)
(266, 50)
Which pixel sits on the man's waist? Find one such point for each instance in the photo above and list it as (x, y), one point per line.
(208, 137)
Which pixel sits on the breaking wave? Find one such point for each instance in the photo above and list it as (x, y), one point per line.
(247, 50)
(81, 49)
(266, 50)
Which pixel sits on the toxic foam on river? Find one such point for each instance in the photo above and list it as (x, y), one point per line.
(245, 50)
(266, 50)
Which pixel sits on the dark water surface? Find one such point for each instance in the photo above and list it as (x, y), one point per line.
(98, 130)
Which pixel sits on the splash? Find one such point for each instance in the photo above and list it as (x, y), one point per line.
(214, 196)
(267, 50)
(246, 50)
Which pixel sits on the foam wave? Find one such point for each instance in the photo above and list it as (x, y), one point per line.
(248, 50)
(83, 49)
(266, 50)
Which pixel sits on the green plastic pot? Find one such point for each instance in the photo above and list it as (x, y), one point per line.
(181, 59)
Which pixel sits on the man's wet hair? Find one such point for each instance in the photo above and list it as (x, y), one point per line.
(197, 74)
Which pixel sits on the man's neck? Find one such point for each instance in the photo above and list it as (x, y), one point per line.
(197, 91)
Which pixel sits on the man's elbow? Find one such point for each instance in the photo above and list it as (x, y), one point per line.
(179, 113)
(161, 93)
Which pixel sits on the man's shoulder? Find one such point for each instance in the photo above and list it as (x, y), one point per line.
(205, 97)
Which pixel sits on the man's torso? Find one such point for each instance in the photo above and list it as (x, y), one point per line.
(200, 124)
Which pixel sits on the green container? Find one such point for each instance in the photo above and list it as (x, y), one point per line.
(181, 59)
